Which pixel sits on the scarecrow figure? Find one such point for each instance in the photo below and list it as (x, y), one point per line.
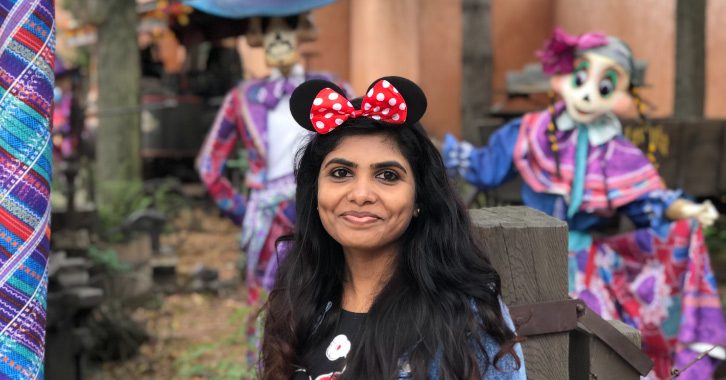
(257, 113)
(577, 166)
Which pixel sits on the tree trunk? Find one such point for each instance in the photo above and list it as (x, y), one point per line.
(690, 58)
(476, 73)
(118, 141)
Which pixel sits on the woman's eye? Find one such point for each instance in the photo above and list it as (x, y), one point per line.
(579, 77)
(388, 176)
(340, 173)
(606, 87)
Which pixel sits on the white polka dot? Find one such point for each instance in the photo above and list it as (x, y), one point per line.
(367, 106)
(376, 117)
(318, 101)
(311, 116)
(395, 117)
(386, 84)
(320, 124)
(392, 102)
(385, 111)
(380, 97)
(337, 106)
(394, 90)
(328, 115)
(376, 109)
(365, 114)
(321, 110)
(370, 92)
(349, 104)
(402, 106)
(338, 121)
(333, 96)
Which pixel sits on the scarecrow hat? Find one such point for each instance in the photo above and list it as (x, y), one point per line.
(255, 8)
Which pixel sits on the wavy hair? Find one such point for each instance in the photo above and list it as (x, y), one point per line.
(425, 309)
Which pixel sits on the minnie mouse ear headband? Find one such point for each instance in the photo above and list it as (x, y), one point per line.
(320, 106)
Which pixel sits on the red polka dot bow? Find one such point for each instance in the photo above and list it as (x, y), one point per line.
(382, 102)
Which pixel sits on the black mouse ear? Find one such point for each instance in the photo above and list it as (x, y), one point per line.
(412, 95)
(301, 100)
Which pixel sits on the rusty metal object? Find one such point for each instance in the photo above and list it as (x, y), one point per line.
(568, 315)
(545, 318)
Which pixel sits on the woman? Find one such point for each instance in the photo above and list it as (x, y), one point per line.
(383, 279)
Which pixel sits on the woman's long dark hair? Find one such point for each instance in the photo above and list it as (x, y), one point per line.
(424, 310)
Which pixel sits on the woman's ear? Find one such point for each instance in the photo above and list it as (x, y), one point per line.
(412, 94)
(301, 100)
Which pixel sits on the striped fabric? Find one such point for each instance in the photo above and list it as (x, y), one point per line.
(27, 44)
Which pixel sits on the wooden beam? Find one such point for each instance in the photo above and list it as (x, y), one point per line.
(529, 250)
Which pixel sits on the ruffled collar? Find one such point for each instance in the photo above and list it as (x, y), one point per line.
(599, 131)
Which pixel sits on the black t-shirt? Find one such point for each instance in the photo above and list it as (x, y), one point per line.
(327, 360)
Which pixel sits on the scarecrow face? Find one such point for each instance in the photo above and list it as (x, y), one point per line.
(597, 85)
(280, 43)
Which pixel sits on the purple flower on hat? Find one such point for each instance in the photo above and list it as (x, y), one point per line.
(558, 55)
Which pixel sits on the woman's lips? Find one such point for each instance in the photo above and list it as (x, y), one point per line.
(357, 217)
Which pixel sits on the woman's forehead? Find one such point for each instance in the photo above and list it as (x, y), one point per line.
(363, 149)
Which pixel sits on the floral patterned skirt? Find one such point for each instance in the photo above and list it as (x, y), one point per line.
(658, 280)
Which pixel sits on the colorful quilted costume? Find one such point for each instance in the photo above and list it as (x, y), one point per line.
(657, 278)
(27, 45)
(269, 211)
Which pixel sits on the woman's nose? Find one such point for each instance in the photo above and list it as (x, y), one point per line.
(362, 192)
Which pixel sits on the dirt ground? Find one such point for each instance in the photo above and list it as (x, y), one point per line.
(194, 335)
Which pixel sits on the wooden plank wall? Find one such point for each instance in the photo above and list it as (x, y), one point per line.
(529, 250)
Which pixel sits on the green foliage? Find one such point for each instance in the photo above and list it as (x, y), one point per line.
(108, 259)
(124, 199)
(191, 363)
(716, 238)
(127, 197)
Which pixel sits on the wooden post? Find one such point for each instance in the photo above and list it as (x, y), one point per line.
(476, 65)
(529, 250)
(690, 58)
(564, 339)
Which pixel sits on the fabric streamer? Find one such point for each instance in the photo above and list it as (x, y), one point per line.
(27, 55)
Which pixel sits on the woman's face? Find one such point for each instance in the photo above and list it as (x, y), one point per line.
(366, 193)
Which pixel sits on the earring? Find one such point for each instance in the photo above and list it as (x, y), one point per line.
(416, 212)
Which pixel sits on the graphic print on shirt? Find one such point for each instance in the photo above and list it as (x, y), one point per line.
(338, 348)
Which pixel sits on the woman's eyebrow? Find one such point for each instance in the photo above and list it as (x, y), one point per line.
(341, 161)
(389, 164)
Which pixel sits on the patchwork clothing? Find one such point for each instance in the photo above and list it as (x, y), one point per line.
(657, 278)
(269, 211)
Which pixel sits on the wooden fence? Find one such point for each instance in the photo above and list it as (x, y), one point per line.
(565, 339)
